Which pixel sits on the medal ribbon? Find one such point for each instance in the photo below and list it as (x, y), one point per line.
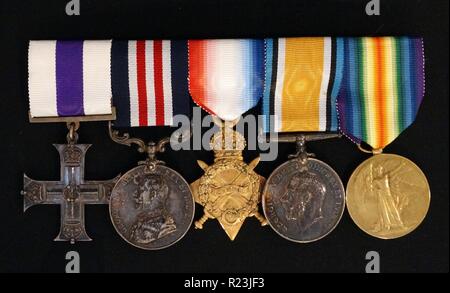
(149, 82)
(69, 78)
(226, 77)
(382, 87)
(300, 89)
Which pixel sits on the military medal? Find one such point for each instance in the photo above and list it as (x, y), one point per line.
(69, 83)
(226, 80)
(303, 199)
(151, 205)
(388, 196)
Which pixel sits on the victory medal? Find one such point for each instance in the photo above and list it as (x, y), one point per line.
(388, 196)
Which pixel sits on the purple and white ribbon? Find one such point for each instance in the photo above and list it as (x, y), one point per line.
(69, 78)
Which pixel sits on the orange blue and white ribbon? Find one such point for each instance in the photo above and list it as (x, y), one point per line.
(301, 84)
(226, 77)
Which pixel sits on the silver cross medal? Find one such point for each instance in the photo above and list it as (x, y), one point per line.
(72, 192)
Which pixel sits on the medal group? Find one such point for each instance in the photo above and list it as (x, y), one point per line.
(366, 89)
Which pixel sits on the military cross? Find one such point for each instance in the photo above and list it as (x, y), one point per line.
(72, 192)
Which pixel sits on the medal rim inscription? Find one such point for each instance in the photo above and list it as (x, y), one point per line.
(356, 218)
(135, 169)
(338, 219)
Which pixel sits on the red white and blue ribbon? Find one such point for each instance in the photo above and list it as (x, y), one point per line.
(226, 77)
(69, 78)
(149, 82)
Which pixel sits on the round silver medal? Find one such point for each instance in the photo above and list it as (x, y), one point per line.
(303, 202)
(151, 207)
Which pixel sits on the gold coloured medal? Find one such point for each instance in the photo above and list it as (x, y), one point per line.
(383, 86)
(230, 190)
(388, 196)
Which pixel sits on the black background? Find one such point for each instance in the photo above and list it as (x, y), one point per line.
(26, 239)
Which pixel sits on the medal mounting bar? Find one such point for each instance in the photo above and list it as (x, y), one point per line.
(74, 119)
(300, 139)
(150, 148)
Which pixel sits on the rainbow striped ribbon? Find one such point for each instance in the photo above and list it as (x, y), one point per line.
(382, 87)
(300, 92)
(149, 82)
(226, 77)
